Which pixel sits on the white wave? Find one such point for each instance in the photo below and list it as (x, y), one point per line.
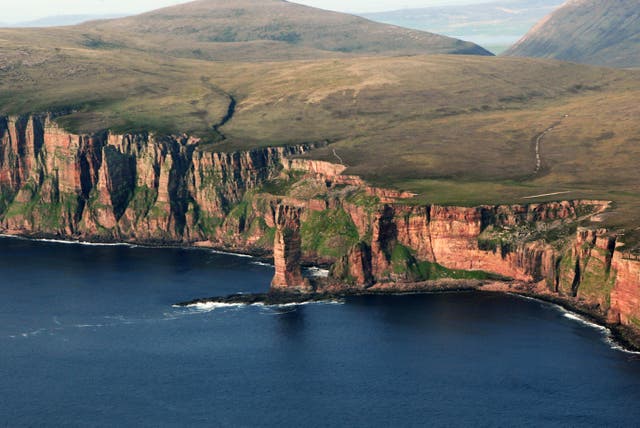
(316, 272)
(520, 296)
(583, 321)
(85, 243)
(616, 346)
(70, 241)
(6, 235)
(310, 302)
(33, 333)
(124, 244)
(269, 310)
(212, 306)
(606, 332)
(104, 244)
(291, 305)
(201, 307)
(227, 253)
(261, 264)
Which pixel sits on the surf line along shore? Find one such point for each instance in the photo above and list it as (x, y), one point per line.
(617, 336)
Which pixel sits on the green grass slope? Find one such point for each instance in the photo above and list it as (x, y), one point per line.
(600, 32)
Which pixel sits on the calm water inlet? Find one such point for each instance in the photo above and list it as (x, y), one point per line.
(89, 337)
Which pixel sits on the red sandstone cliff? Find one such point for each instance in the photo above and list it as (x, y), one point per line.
(129, 187)
(516, 241)
(146, 188)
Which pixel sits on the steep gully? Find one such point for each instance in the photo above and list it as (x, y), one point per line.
(231, 110)
(149, 189)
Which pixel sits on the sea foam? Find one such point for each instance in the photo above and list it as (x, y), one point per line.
(607, 334)
(316, 272)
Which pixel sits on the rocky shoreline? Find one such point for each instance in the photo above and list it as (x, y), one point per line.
(280, 297)
(622, 337)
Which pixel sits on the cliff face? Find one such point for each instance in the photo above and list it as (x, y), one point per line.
(144, 188)
(471, 239)
(410, 244)
(130, 187)
(534, 243)
(625, 295)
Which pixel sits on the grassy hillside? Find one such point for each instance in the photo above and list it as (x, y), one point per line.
(600, 32)
(452, 128)
(122, 91)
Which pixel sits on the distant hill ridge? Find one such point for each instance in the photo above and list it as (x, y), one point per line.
(268, 30)
(598, 32)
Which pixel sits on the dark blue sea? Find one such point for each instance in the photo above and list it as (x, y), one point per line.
(89, 337)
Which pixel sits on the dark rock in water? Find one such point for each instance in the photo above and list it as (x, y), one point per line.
(269, 299)
(288, 297)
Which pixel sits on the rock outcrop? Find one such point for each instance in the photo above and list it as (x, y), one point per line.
(287, 251)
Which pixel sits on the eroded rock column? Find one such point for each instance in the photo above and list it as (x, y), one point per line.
(287, 251)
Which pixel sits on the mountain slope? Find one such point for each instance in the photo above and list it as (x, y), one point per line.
(267, 30)
(599, 32)
(495, 25)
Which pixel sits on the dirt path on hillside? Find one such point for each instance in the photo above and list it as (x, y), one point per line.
(539, 140)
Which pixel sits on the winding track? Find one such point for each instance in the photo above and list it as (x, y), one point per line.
(539, 139)
(338, 157)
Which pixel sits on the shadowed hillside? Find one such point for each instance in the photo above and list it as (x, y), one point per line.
(600, 32)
